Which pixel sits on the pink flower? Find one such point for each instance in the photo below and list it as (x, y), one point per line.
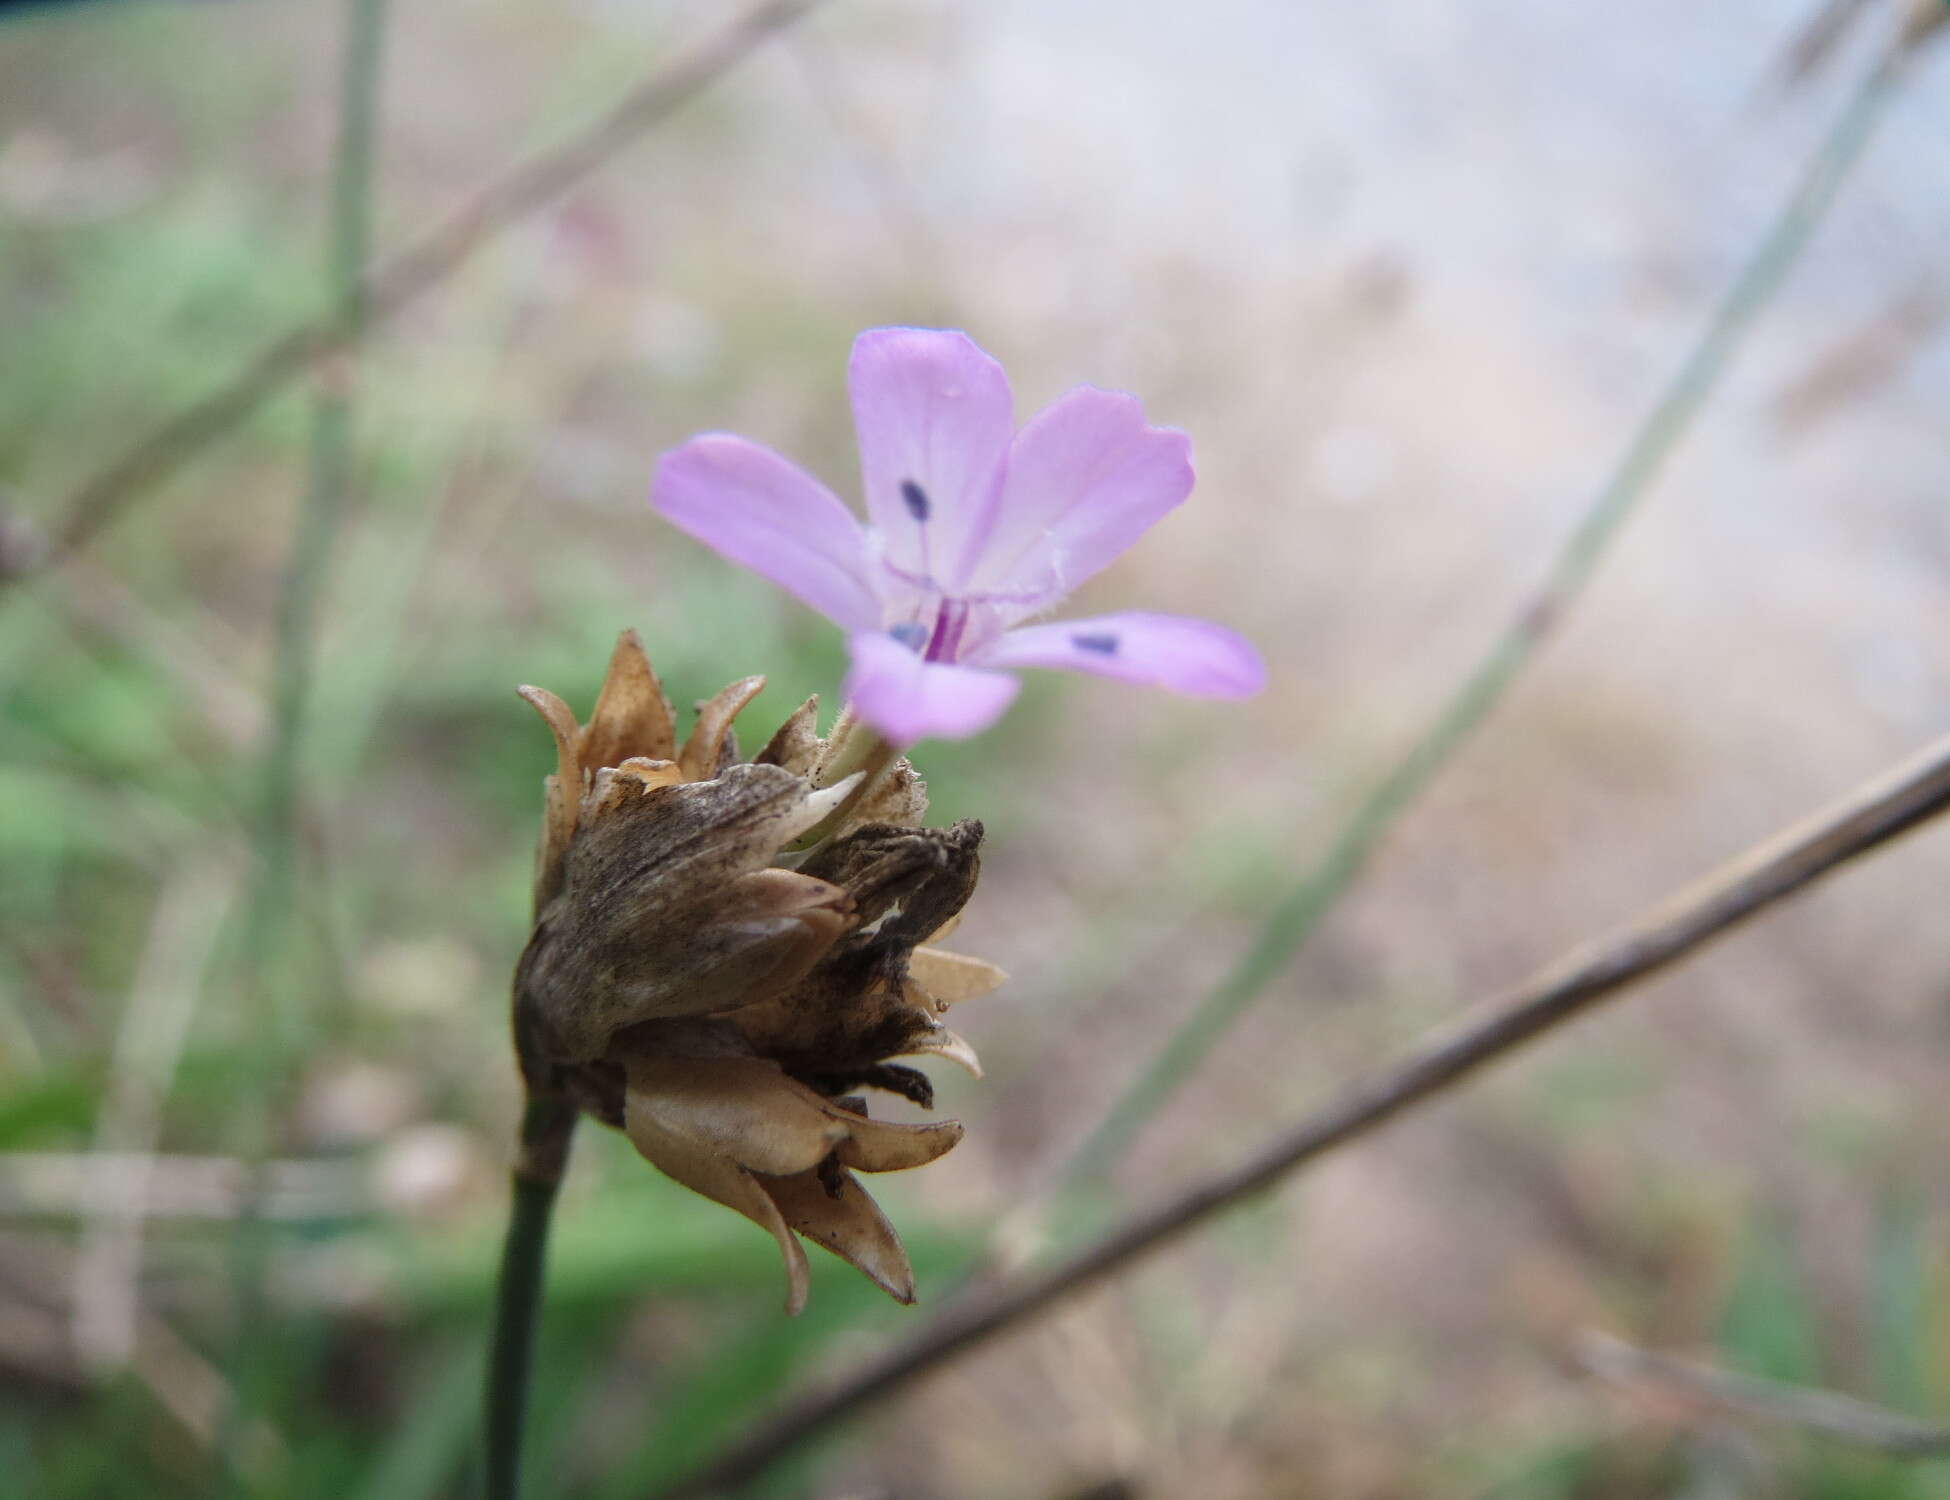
(976, 528)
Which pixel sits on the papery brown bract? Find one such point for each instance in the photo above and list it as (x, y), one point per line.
(668, 906)
(684, 987)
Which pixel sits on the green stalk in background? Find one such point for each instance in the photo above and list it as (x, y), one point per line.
(1302, 909)
(268, 972)
(349, 238)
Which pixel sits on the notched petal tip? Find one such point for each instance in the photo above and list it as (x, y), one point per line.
(1087, 477)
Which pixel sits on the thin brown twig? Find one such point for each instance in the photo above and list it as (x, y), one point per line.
(390, 285)
(1912, 793)
(1843, 1418)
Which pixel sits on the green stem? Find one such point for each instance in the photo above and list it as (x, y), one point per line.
(329, 479)
(547, 1126)
(1301, 910)
(267, 925)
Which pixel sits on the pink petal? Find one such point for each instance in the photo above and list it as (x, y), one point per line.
(1167, 651)
(767, 514)
(1087, 477)
(934, 416)
(908, 699)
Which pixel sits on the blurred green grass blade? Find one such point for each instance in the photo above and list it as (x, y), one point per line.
(51, 1107)
(1906, 1327)
(270, 963)
(1767, 1327)
(708, 1404)
(1560, 1471)
(163, 302)
(430, 1444)
(102, 714)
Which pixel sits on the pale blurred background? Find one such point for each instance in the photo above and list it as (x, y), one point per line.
(1408, 274)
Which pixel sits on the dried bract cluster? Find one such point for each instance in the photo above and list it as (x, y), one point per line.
(726, 951)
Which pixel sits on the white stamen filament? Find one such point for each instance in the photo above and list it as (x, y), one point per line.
(821, 805)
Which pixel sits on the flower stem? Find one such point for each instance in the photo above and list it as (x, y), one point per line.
(547, 1126)
(854, 747)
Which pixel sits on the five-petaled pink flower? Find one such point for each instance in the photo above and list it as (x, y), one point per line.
(976, 528)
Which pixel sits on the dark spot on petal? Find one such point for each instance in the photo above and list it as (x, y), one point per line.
(915, 499)
(913, 634)
(1104, 644)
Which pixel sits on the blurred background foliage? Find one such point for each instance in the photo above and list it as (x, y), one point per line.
(1407, 274)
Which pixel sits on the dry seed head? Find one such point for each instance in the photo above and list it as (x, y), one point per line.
(684, 985)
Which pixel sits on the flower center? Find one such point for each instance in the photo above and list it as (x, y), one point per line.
(950, 620)
(940, 641)
(939, 625)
